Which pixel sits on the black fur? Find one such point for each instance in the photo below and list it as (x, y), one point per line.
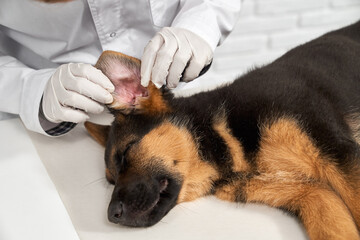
(317, 84)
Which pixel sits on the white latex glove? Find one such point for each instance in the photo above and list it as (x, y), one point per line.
(169, 52)
(74, 90)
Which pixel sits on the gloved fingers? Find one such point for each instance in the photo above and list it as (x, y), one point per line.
(201, 56)
(91, 73)
(193, 70)
(72, 115)
(197, 63)
(177, 67)
(78, 101)
(148, 58)
(164, 58)
(88, 88)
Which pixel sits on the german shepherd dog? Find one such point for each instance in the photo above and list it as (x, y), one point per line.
(286, 135)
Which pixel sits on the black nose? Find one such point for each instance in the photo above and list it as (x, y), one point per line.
(115, 211)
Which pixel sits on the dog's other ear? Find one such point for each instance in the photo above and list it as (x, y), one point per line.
(99, 132)
(129, 95)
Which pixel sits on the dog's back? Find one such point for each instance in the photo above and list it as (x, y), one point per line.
(317, 83)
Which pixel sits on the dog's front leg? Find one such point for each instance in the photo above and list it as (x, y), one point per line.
(323, 214)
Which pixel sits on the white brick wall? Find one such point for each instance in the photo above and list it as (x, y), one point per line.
(268, 28)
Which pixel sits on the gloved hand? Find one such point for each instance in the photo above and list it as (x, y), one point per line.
(74, 90)
(169, 53)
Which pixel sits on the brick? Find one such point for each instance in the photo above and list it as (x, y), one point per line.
(294, 38)
(344, 3)
(268, 28)
(247, 8)
(286, 6)
(242, 62)
(235, 44)
(266, 24)
(207, 82)
(330, 17)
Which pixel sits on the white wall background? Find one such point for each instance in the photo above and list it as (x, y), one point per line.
(268, 28)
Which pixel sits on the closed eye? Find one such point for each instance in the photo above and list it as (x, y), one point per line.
(121, 161)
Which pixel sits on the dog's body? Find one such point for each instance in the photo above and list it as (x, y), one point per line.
(286, 135)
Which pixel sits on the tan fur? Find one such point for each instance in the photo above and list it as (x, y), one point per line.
(98, 132)
(285, 147)
(235, 147)
(197, 175)
(322, 212)
(154, 103)
(233, 191)
(227, 192)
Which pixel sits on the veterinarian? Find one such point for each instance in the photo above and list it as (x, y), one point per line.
(47, 52)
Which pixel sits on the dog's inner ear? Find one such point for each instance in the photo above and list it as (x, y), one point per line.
(124, 72)
(99, 132)
(129, 95)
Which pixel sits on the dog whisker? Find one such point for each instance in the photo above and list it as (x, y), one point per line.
(95, 181)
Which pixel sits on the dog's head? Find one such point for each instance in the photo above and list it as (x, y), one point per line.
(150, 154)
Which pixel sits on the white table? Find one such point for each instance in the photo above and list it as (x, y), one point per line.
(30, 206)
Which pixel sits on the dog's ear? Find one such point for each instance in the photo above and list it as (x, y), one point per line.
(99, 132)
(129, 95)
(124, 72)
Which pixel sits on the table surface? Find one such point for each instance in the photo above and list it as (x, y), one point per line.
(30, 205)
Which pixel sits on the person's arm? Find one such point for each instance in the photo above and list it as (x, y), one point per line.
(211, 20)
(21, 90)
(52, 101)
(186, 48)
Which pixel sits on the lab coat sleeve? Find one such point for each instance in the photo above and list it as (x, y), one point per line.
(21, 90)
(213, 20)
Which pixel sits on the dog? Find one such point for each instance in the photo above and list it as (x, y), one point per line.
(286, 135)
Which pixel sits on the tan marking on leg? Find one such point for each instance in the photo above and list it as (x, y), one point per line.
(286, 148)
(234, 191)
(168, 143)
(352, 190)
(227, 193)
(322, 212)
(235, 147)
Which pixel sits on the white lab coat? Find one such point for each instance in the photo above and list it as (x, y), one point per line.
(36, 37)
